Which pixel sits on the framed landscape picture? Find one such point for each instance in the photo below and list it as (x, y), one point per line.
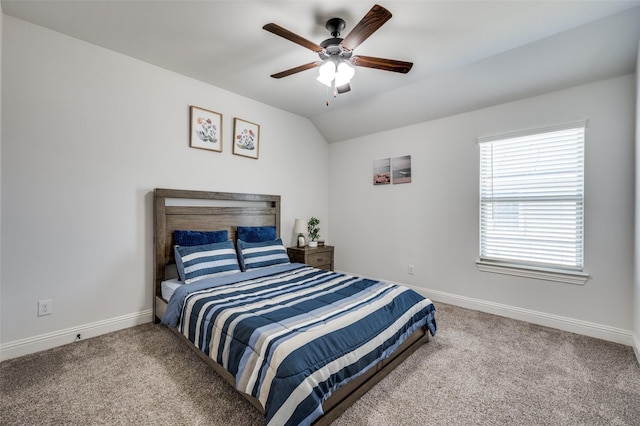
(401, 167)
(205, 129)
(246, 138)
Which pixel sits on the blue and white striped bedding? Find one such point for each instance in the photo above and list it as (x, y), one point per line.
(292, 334)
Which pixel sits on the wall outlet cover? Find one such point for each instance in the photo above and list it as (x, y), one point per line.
(45, 307)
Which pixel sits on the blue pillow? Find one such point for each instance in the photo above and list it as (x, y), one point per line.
(206, 261)
(255, 234)
(260, 254)
(198, 238)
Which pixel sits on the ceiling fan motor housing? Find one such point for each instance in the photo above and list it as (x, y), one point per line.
(332, 45)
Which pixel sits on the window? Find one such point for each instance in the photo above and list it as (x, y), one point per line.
(532, 203)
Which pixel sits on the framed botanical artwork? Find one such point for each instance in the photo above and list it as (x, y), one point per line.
(382, 171)
(401, 167)
(206, 129)
(246, 138)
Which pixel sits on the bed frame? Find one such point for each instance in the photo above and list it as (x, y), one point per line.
(211, 211)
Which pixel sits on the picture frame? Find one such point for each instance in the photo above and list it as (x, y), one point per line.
(205, 129)
(401, 169)
(246, 138)
(382, 171)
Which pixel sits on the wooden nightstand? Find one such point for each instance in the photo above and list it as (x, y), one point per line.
(320, 257)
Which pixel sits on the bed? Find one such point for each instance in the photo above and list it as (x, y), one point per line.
(300, 343)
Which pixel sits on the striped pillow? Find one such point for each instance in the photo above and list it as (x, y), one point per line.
(260, 254)
(206, 261)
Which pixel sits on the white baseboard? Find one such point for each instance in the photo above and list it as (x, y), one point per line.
(591, 329)
(636, 346)
(61, 337)
(599, 331)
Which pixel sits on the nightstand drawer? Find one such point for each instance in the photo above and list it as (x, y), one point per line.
(319, 260)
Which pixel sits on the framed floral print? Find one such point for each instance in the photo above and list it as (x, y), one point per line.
(382, 171)
(206, 129)
(246, 138)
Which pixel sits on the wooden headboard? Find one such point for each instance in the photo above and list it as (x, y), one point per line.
(205, 211)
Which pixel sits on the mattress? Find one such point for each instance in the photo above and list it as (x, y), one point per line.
(169, 287)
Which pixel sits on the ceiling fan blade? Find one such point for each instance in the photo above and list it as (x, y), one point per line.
(381, 63)
(284, 33)
(373, 20)
(344, 88)
(297, 69)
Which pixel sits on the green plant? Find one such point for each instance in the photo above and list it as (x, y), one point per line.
(313, 228)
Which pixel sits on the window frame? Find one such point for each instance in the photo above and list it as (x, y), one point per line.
(532, 269)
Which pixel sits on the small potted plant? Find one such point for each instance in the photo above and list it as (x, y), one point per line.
(314, 231)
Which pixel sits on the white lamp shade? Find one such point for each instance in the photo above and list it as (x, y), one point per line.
(344, 74)
(300, 226)
(326, 73)
(325, 79)
(328, 68)
(335, 69)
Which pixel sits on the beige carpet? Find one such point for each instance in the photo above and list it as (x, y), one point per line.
(480, 369)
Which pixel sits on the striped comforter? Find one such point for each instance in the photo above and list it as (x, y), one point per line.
(292, 337)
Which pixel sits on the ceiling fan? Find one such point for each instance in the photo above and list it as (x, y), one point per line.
(336, 54)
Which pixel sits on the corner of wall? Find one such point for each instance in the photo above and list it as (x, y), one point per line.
(1, 43)
(636, 280)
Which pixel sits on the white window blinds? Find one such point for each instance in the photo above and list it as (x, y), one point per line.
(532, 197)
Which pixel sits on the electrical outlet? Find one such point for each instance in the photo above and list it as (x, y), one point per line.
(45, 307)
(411, 269)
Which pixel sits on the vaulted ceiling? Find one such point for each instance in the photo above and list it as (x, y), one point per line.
(466, 54)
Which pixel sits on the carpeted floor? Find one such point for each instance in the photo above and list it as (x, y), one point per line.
(480, 369)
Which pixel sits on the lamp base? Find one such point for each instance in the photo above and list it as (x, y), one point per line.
(301, 240)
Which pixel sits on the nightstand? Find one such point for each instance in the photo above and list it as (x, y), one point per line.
(320, 257)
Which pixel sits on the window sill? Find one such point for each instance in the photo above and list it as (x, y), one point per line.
(557, 275)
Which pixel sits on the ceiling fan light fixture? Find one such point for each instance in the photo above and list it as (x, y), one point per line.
(344, 73)
(330, 74)
(326, 73)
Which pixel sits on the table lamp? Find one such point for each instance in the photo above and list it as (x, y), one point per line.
(300, 227)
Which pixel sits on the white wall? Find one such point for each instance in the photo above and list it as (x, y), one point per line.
(432, 222)
(88, 134)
